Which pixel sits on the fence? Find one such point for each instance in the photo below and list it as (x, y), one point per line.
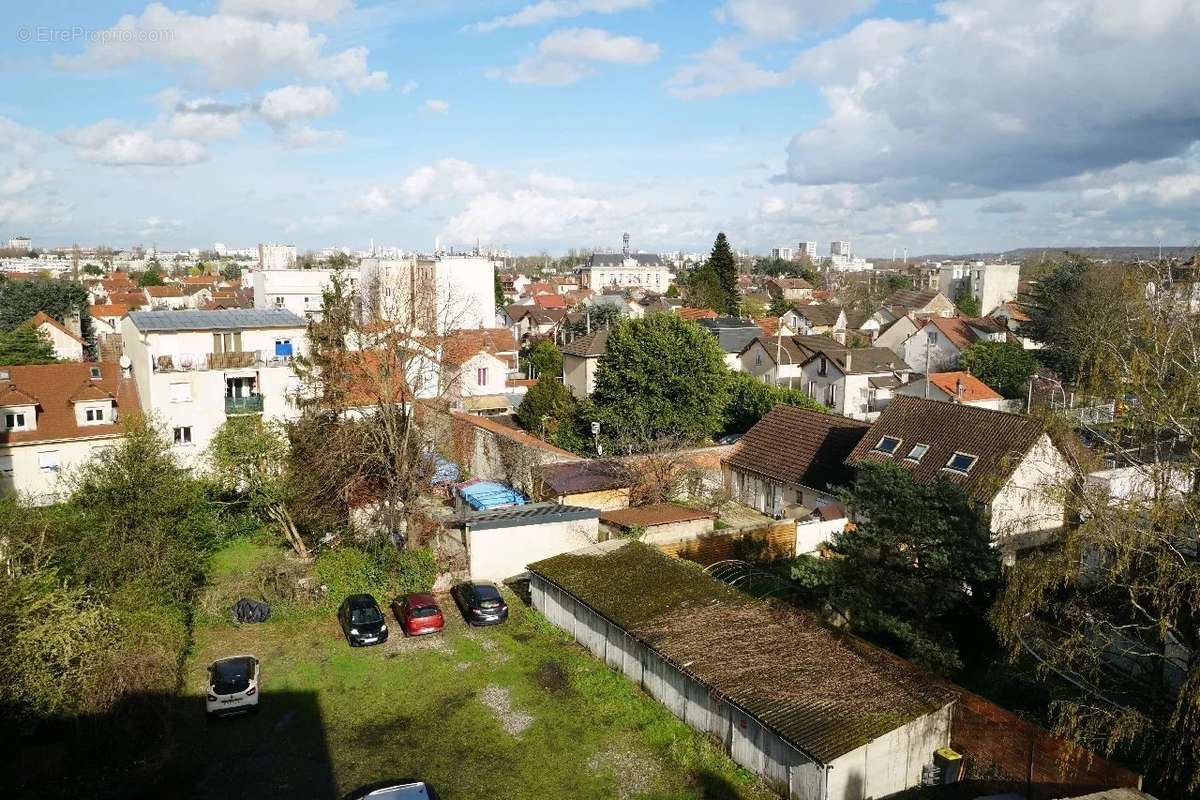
(759, 543)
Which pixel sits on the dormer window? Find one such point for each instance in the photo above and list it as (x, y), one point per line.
(961, 462)
(14, 421)
(888, 444)
(94, 372)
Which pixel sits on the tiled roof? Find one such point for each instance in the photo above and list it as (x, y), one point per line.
(109, 310)
(696, 313)
(513, 434)
(550, 301)
(164, 291)
(957, 330)
(794, 445)
(911, 299)
(825, 694)
(592, 475)
(973, 389)
(55, 386)
(864, 360)
(820, 316)
(998, 440)
(768, 325)
(459, 346)
(791, 283)
(589, 345)
(658, 514)
(10, 395)
(42, 318)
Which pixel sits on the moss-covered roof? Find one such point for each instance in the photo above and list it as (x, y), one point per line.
(826, 694)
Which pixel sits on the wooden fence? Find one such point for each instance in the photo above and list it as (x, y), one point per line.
(759, 543)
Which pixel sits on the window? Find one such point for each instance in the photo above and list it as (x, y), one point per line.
(227, 342)
(278, 301)
(824, 366)
(6, 466)
(48, 461)
(961, 462)
(831, 394)
(918, 452)
(183, 435)
(481, 376)
(758, 359)
(283, 348)
(14, 422)
(888, 444)
(94, 414)
(181, 393)
(94, 372)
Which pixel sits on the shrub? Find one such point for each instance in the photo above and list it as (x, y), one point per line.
(383, 571)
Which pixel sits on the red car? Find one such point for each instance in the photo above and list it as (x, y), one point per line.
(418, 614)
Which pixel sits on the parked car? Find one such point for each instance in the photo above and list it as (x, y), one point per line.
(232, 686)
(362, 621)
(730, 438)
(391, 790)
(418, 614)
(480, 602)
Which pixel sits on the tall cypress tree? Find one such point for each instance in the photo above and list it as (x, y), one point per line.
(723, 266)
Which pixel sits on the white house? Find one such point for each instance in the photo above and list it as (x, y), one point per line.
(54, 417)
(937, 345)
(856, 383)
(68, 345)
(498, 545)
(276, 256)
(169, 297)
(195, 369)
(299, 291)
(581, 357)
(625, 269)
(475, 367)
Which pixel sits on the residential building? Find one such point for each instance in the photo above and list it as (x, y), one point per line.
(839, 248)
(581, 356)
(783, 253)
(733, 336)
(300, 291)
(792, 457)
(430, 294)
(276, 256)
(816, 320)
(475, 367)
(990, 284)
(498, 544)
(820, 716)
(629, 308)
(55, 417)
(166, 298)
(940, 341)
(106, 318)
(195, 369)
(1015, 317)
(1005, 462)
(624, 270)
(856, 383)
(529, 321)
(893, 335)
(68, 344)
(955, 387)
(21, 243)
(779, 359)
(794, 290)
(807, 249)
(920, 304)
(603, 484)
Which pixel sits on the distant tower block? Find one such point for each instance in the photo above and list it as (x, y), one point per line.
(625, 245)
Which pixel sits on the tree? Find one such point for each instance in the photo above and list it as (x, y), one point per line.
(1110, 616)
(751, 399)
(546, 359)
(1004, 366)
(546, 406)
(151, 276)
(662, 376)
(231, 271)
(249, 456)
(498, 288)
(779, 306)
(968, 303)
(92, 269)
(25, 344)
(672, 291)
(753, 308)
(918, 561)
(603, 315)
(20, 301)
(724, 270)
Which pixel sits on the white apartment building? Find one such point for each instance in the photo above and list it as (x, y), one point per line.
(55, 417)
(23, 243)
(807, 249)
(430, 293)
(195, 369)
(839, 248)
(299, 291)
(784, 253)
(991, 284)
(276, 256)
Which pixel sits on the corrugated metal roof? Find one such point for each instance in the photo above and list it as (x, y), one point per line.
(536, 514)
(217, 320)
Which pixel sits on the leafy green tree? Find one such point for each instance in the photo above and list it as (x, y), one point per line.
(546, 359)
(20, 301)
(672, 291)
(151, 276)
(751, 399)
(779, 306)
(968, 304)
(917, 564)
(604, 315)
(92, 269)
(896, 283)
(25, 344)
(497, 288)
(340, 260)
(231, 271)
(724, 269)
(546, 406)
(661, 377)
(1004, 366)
(753, 308)
(249, 457)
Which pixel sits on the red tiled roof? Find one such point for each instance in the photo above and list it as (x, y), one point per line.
(955, 329)
(649, 516)
(973, 389)
(550, 301)
(459, 346)
(769, 325)
(202, 280)
(56, 387)
(109, 310)
(164, 291)
(42, 318)
(696, 313)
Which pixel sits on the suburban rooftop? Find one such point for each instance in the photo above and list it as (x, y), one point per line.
(216, 320)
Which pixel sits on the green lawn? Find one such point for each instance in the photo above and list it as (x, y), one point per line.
(514, 711)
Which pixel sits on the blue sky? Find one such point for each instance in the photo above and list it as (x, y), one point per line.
(954, 127)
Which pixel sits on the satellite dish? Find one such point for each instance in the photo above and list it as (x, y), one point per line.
(125, 361)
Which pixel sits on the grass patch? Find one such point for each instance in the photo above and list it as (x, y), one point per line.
(441, 708)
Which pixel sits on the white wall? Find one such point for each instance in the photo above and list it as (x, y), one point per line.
(943, 356)
(810, 534)
(498, 554)
(1033, 498)
(43, 486)
(891, 763)
(297, 290)
(66, 347)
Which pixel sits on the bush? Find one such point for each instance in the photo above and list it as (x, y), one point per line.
(383, 572)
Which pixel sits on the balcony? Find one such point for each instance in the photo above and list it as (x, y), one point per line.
(199, 362)
(244, 405)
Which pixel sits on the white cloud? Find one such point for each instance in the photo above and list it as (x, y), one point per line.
(115, 144)
(722, 70)
(315, 10)
(551, 10)
(224, 51)
(18, 140)
(281, 107)
(923, 225)
(434, 106)
(205, 118)
(19, 180)
(786, 19)
(565, 56)
(524, 214)
(408, 87)
(304, 137)
(447, 178)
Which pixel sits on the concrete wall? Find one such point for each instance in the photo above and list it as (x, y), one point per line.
(579, 374)
(66, 347)
(811, 533)
(895, 337)
(496, 555)
(891, 763)
(677, 531)
(607, 500)
(1033, 498)
(297, 290)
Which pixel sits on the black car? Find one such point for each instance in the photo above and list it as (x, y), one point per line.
(362, 621)
(480, 602)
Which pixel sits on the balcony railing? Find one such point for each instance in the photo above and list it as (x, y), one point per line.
(244, 405)
(193, 362)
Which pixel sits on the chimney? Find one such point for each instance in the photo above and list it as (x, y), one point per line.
(959, 389)
(849, 356)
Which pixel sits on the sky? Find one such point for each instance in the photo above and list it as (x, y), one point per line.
(542, 125)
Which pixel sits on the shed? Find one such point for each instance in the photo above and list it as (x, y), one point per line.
(662, 523)
(483, 495)
(597, 483)
(497, 545)
(816, 715)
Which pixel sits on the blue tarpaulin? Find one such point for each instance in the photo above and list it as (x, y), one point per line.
(484, 495)
(444, 471)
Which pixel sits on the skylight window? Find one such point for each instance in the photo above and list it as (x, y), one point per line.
(888, 444)
(961, 462)
(918, 452)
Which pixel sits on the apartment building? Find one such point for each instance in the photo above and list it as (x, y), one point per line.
(430, 294)
(991, 284)
(276, 256)
(195, 369)
(300, 291)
